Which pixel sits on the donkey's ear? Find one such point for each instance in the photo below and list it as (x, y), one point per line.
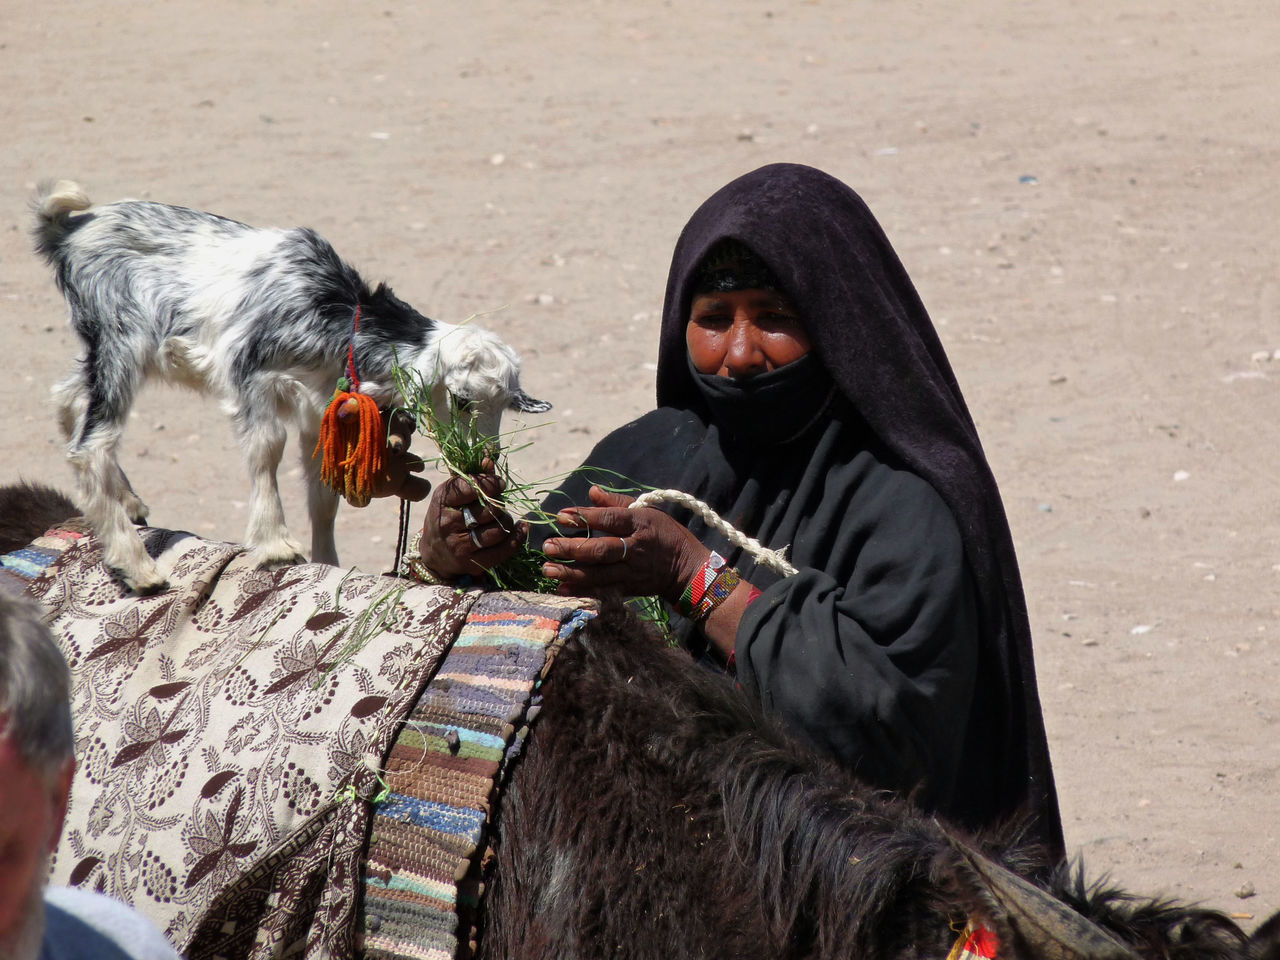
(524, 403)
(1041, 925)
(1265, 942)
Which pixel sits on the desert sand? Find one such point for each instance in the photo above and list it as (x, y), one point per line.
(1085, 194)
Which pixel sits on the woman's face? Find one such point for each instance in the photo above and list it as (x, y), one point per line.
(743, 333)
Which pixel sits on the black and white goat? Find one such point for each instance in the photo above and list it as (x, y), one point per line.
(261, 319)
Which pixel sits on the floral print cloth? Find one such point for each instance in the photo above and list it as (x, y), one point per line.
(229, 734)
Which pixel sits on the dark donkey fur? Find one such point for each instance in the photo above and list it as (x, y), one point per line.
(27, 510)
(656, 814)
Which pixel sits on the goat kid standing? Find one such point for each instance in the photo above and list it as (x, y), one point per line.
(262, 319)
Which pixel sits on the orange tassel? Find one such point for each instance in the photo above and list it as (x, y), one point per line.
(353, 443)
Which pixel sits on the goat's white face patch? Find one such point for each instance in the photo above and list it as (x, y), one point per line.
(476, 369)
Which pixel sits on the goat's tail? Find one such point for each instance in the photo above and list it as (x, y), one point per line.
(53, 205)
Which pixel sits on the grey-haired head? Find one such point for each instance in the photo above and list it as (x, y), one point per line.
(35, 688)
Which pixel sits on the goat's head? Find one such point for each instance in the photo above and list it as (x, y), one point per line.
(472, 369)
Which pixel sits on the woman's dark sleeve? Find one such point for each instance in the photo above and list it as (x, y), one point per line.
(877, 667)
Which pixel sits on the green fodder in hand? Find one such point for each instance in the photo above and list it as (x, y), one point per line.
(464, 452)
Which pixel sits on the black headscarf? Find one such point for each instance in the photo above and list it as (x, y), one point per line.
(895, 397)
(874, 336)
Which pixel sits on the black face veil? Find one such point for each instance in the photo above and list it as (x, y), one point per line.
(873, 335)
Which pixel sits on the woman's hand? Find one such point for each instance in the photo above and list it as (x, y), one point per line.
(466, 531)
(399, 465)
(635, 553)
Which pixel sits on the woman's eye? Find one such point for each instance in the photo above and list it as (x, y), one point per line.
(713, 320)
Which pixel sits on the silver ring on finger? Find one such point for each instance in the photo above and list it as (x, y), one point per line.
(470, 520)
(475, 539)
(624, 549)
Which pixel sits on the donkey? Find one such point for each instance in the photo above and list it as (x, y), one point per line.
(656, 813)
(264, 319)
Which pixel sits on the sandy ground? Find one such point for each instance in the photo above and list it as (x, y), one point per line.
(1087, 201)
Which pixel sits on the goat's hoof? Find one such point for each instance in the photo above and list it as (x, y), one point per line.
(268, 559)
(146, 583)
(279, 563)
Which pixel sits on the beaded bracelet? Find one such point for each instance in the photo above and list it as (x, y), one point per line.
(717, 593)
(697, 587)
(411, 564)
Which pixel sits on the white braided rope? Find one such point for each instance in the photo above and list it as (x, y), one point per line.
(775, 560)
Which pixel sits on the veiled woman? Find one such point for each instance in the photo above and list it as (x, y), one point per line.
(803, 394)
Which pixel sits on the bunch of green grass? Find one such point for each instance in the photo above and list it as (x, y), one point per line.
(463, 452)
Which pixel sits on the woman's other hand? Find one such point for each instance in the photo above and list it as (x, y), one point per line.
(466, 531)
(635, 553)
(400, 467)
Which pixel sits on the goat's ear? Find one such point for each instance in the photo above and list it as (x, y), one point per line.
(524, 403)
(1042, 925)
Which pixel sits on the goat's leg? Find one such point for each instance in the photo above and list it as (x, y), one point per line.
(71, 396)
(322, 502)
(134, 508)
(92, 412)
(262, 438)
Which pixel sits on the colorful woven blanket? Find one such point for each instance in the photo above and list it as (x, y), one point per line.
(19, 568)
(232, 734)
(426, 846)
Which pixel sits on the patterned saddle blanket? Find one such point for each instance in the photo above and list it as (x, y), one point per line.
(296, 762)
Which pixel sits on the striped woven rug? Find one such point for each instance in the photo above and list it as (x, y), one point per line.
(19, 568)
(422, 875)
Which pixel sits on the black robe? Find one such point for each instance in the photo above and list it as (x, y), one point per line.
(902, 646)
